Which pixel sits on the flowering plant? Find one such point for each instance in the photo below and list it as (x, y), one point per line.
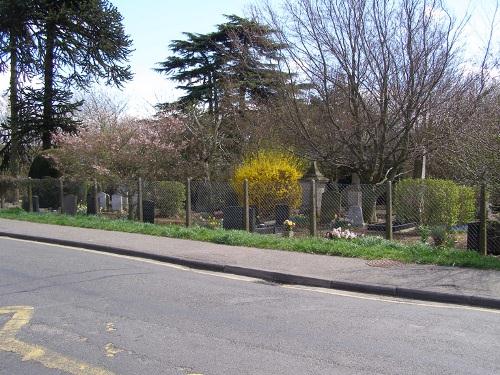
(288, 225)
(340, 233)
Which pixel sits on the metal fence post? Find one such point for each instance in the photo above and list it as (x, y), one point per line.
(483, 221)
(313, 231)
(388, 211)
(96, 198)
(188, 202)
(61, 194)
(30, 196)
(139, 203)
(246, 208)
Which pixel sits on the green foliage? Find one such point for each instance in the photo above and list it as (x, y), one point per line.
(434, 202)
(44, 166)
(442, 236)
(363, 247)
(232, 63)
(273, 178)
(169, 197)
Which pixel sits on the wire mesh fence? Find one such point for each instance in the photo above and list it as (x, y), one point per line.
(439, 213)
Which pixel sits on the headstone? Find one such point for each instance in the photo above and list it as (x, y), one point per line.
(69, 204)
(117, 202)
(35, 202)
(91, 204)
(282, 213)
(330, 206)
(103, 200)
(354, 202)
(148, 211)
(233, 218)
(305, 182)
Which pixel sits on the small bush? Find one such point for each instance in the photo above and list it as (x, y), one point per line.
(273, 178)
(169, 197)
(434, 202)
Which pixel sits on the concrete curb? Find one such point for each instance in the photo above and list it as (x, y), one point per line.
(278, 277)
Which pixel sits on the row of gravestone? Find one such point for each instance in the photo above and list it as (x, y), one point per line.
(70, 206)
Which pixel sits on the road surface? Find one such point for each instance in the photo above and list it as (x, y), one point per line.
(66, 310)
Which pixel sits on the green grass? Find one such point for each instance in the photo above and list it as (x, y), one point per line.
(365, 247)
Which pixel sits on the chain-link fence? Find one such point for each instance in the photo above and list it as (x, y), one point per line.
(432, 211)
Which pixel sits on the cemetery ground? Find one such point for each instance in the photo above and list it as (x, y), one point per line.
(362, 247)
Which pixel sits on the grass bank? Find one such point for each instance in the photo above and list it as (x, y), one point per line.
(365, 247)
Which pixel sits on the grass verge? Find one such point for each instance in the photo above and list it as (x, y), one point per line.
(364, 247)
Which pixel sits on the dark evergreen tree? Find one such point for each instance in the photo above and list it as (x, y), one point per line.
(80, 41)
(234, 64)
(17, 51)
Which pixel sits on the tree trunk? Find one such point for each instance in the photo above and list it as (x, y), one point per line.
(48, 93)
(14, 106)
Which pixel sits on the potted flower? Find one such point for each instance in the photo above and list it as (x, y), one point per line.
(288, 226)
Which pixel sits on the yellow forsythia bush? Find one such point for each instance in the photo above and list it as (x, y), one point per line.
(273, 178)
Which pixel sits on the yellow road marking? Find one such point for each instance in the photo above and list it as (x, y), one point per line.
(110, 327)
(21, 315)
(249, 279)
(112, 350)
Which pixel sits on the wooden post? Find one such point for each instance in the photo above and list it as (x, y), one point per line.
(96, 198)
(246, 208)
(388, 211)
(30, 195)
(483, 222)
(188, 202)
(61, 195)
(313, 214)
(139, 199)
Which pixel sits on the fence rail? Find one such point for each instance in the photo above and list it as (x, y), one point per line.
(404, 211)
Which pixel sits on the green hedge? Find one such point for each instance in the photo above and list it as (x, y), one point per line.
(169, 197)
(434, 202)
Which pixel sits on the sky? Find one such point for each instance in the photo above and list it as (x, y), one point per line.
(153, 24)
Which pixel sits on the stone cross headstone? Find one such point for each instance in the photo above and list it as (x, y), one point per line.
(355, 202)
(117, 202)
(69, 204)
(305, 182)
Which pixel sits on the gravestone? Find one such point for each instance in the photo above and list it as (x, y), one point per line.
(355, 202)
(69, 204)
(148, 211)
(117, 202)
(233, 218)
(91, 204)
(281, 213)
(103, 200)
(313, 173)
(35, 203)
(330, 206)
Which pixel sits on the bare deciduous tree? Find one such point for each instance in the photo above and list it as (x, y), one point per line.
(375, 70)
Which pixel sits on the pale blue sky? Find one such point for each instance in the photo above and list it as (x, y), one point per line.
(152, 24)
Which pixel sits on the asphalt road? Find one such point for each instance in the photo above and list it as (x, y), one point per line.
(68, 310)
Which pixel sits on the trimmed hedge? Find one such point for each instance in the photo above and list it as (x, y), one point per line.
(434, 202)
(169, 197)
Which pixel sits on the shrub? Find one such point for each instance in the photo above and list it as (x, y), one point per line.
(169, 197)
(273, 178)
(434, 202)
